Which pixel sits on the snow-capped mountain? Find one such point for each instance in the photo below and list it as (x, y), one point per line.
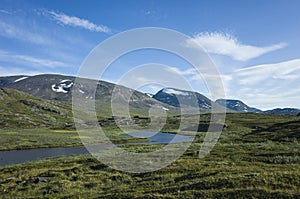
(10, 79)
(64, 86)
(240, 106)
(283, 111)
(60, 88)
(177, 98)
(149, 94)
(237, 105)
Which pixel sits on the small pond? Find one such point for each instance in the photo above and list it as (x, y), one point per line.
(21, 156)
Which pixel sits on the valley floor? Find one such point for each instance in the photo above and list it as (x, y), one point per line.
(257, 156)
(231, 171)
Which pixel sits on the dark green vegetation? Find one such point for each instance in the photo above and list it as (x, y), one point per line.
(18, 139)
(21, 110)
(257, 156)
(37, 138)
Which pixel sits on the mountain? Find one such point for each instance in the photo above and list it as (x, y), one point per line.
(240, 106)
(20, 109)
(60, 88)
(282, 111)
(54, 87)
(11, 79)
(178, 98)
(237, 106)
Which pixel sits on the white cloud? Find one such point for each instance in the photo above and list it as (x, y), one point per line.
(287, 70)
(5, 12)
(10, 71)
(30, 61)
(11, 31)
(77, 22)
(207, 83)
(269, 85)
(190, 71)
(226, 44)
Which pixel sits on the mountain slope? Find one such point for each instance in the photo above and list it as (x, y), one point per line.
(178, 98)
(60, 88)
(282, 111)
(240, 106)
(237, 105)
(11, 79)
(19, 109)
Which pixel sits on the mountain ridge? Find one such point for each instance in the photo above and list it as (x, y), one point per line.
(58, 88)
(237, 105)
(178, 97)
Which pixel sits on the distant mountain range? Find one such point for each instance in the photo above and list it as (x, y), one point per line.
(177, 98)
(172, 97)
(237, 106)
(59, 88)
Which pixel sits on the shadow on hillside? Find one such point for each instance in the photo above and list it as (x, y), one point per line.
(277, 132)
(204, 127)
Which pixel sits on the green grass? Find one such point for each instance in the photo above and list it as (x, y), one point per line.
(231, 171)
(17, 139)
(21, 110)
(257, 156)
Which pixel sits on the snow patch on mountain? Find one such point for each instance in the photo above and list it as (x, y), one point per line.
(149, 94)
(237, 105)
(166, 109)
(20, 79)
(174, 92)
(206, 105)
(64, 86)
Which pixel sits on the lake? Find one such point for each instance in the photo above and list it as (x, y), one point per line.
(22, 156)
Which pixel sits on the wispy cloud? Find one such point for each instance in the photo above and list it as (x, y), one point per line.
(30, 61)
(14, 32)
(287, 70)
(9, 71)
(264, 86)
(74, 21)
(205, 82)
(268, 85)
(226, 44)
(5, 11)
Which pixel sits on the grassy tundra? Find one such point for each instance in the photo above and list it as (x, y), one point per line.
(257, 156)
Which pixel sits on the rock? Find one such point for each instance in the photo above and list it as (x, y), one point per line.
(98, 167)
(10, 178)
(41, 179)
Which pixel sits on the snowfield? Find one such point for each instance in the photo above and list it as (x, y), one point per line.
(63, 86)
(175, 92)
(20, 79)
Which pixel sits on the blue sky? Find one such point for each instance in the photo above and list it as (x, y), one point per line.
(254, 44)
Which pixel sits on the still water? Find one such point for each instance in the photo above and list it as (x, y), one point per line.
(21, 156)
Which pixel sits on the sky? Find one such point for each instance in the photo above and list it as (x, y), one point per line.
(254, 44)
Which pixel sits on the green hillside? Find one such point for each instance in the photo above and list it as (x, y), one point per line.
(21, 110)
(257, 156)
